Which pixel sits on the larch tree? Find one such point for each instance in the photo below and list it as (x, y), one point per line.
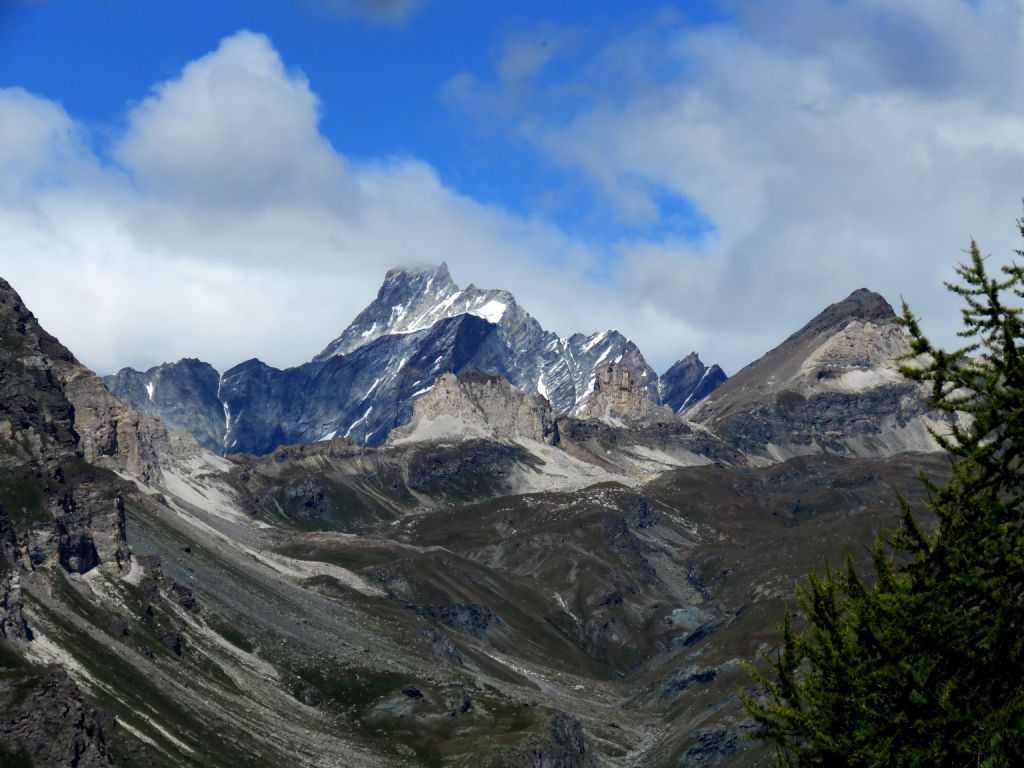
(921, 663)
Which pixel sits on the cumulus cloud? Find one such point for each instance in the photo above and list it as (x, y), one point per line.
(221, 223)
(37, 139)
(830, 145)
(234, 127)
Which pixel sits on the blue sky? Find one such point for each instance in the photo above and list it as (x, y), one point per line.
(381, 81)
(231, 179)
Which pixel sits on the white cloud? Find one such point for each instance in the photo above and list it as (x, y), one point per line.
(831, 145)
(227, 227)
(235, 127)
(37, 139)
(222, 224)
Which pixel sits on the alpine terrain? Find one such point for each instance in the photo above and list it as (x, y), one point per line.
(451, 539)
(364, 382)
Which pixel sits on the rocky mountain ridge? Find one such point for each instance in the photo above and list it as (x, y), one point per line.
(363, 384)
(66, 445)
(834, 386)
(65, 434)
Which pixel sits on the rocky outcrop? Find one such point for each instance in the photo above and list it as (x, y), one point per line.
(618, 399)
(471, 618)
(47, 723)
(59, 429)
(13, 625)
(37, 421)
(74, 519)
(111, 433)
(565, 746)
(155, 583)
(54, 408)
(688, 382)
(478, 405)
(185, 395)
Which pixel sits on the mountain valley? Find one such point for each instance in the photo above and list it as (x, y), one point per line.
(452, 538)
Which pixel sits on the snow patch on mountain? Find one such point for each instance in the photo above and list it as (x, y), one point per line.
(492, 311)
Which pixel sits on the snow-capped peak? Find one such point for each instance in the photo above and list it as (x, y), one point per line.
(413, 299)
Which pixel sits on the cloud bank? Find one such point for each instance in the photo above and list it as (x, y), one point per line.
(828, 146)
(222, 224)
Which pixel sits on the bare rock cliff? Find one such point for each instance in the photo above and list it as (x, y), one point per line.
(62, 438)
(59, 408)
(619, 399)
(476, 404)
(834, 386)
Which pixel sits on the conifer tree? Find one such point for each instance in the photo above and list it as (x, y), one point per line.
(922, 663)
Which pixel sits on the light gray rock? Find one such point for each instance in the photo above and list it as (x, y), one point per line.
(475, 404)
(834, 386)
(618, 399)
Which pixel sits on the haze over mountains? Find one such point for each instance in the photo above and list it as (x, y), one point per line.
(362, 385)
(508, 577)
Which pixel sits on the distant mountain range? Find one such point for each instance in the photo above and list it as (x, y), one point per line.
(363, 384)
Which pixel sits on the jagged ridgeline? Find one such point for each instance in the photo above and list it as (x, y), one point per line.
(550, 568)
(363, 384)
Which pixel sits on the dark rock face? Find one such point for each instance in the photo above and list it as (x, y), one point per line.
(862, 304)
(680, 680)
(688, 381)
(184, 394)
(442, 646)
(566, 746)
(717, 746)
(470, 467)
(31, 396)
(73, 517)
(51, 723)
(471, 618)
(183, 596)
(363, 384)
(825, 421)
(360, 397)
(13, 625)
(55, 416)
